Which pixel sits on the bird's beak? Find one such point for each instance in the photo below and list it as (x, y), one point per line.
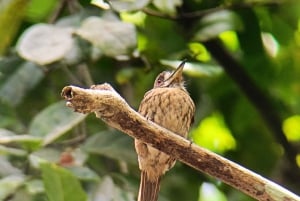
(176, 76)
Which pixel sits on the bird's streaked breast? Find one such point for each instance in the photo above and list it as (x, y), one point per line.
(171, 108)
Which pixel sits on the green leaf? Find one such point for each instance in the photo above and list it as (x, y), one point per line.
(212, 25)
(54, 121)
(6, 168)
(60, 184)
(291, 128)
(101, 4)
(17, 85)
(107, 190)
(114, 38)
(4, 150)
(35, 186)
(10, 21)
(254, 56)
(84, 173)
(213, 133)
(45, 44)
(10, 184)
(199, 52)
(8, 117)
(39, 10)
(121, 5)
(28, 141)
(167, 6)
(136, 18)
(251, 32)
(44, 155)
(158, 38)
(112, 144)
(195, 69)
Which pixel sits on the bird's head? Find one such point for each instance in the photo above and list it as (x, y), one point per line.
(170, 78)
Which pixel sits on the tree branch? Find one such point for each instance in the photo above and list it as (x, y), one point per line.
(113, 109)
(203, 12)
(259, 99)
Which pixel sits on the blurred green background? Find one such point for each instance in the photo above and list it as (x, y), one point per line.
(243, 73)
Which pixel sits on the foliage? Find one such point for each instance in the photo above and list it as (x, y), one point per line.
(48, 152)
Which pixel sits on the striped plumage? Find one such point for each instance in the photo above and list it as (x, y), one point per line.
(169, 105)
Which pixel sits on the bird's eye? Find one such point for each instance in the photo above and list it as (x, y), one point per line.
(159, 81)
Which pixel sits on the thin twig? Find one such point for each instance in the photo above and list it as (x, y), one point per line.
(73, 78)
(85, 74)
(58, 11)
(241, 5)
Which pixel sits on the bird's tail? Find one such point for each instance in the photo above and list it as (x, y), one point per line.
(149, 188)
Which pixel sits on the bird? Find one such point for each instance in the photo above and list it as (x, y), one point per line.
(169, 105)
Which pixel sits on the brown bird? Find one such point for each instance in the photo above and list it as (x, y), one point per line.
(169, 105)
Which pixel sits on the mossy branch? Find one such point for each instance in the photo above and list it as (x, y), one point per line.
(108, 105)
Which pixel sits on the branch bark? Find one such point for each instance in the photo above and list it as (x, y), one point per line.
(108, 105)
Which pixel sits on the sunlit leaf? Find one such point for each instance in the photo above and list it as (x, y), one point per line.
(29, 141)
(298, 160)
(270, 43)
(18, 138)
(213, 134)
(114, 38)
(209, 192)
(195, 69)
(54, 121)
(121, 5)
(45, 43)
(17, 85)
(167, 6)
(214, 24)
(60, 184)
(8, 15)
(137, 18)
(112, 144)
(101, 3)
(230, 40)
(38, 10)
(291, 128)
(5, 150)
(9, 184)
(199, 51)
